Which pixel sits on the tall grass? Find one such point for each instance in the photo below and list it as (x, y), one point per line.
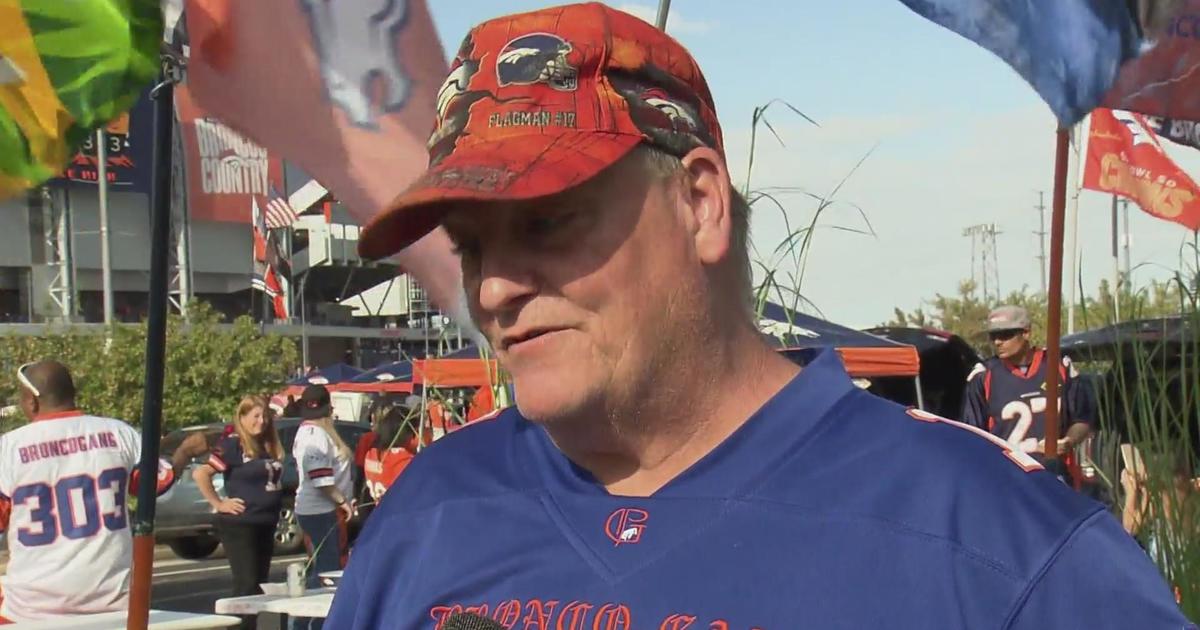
(783, 267)
(1150, 398)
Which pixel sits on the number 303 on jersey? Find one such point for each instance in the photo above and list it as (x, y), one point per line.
(75, 507)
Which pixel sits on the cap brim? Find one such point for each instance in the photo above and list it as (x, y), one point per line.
(515, 168)
(324, 411)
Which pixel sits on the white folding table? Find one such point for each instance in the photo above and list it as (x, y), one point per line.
(159, 620)
(314, 603)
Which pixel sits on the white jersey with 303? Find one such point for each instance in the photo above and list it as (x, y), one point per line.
(66, 477)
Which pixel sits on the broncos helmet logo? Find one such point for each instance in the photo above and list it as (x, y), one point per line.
(537, 58)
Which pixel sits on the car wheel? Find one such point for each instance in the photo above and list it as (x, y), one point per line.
(288, 537)
(194, 547)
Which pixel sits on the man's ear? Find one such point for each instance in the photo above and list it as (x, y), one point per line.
(707, 196)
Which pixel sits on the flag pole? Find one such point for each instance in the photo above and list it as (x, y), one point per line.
(156, 341)
(1054, 310)
(1116, 260)
(664, 7)
(105, 250)
(1073, 216)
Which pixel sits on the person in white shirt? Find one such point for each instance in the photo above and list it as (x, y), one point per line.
(64, 481)
(324, 500)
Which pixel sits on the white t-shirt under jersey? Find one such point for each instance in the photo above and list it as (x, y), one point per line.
(67, 477)
(319, 465)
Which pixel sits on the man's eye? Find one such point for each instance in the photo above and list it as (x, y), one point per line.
(546, 225)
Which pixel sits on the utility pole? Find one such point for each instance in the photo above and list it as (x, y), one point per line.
(989, 241)
(1041, 234)
(967, 232)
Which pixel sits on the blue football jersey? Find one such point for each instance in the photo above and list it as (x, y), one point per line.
(1011, 402)
(829, 508)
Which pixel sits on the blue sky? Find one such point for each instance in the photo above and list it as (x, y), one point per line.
(958, 139)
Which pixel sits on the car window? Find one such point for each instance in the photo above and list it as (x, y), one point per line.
(176, 437)
(350, 433)
(172, 441)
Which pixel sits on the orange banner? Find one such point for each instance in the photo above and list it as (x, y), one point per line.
(346, 90)
(1125, 158)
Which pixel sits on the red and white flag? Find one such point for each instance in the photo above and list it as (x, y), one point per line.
(347, 90)
(1165, 79)
(1125, 158)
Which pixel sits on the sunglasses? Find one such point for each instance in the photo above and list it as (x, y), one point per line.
(24, 380)
(1003, 335)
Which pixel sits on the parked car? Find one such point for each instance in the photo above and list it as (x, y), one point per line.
(185, 522)
(946, 361)
(1144, 366)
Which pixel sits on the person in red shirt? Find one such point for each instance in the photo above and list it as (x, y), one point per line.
(393, 449)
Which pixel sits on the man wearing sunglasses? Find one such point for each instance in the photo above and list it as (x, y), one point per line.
(1006, 394)
(64, 481)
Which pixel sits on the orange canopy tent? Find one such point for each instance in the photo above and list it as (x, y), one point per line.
(455, 372)
(865, 355)
(800, 337)
(450, 373)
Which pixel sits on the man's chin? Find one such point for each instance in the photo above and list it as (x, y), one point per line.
(546, 401)
(542, 411)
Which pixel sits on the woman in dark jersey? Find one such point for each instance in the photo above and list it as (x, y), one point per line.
(251, 460)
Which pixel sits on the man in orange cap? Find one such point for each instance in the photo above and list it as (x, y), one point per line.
(664, 467)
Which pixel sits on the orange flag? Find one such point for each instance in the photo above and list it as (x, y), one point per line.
(347, 90)
(1125, 158)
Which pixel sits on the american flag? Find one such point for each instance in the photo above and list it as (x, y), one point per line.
(268, 262)
(280, 213)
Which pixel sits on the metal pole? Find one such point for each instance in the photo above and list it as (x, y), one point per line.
(303, 323)
(664, 7)
(183, 257)
(1073, 234)
(156, 341)
(287, 284)
(1054, 314)
(66, 245)
(1116, 287)
(105, 249)
(1125, 243)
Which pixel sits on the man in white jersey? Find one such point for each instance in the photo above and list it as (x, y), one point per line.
(64, 480)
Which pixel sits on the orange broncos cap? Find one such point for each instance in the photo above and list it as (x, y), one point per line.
(540, 102)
